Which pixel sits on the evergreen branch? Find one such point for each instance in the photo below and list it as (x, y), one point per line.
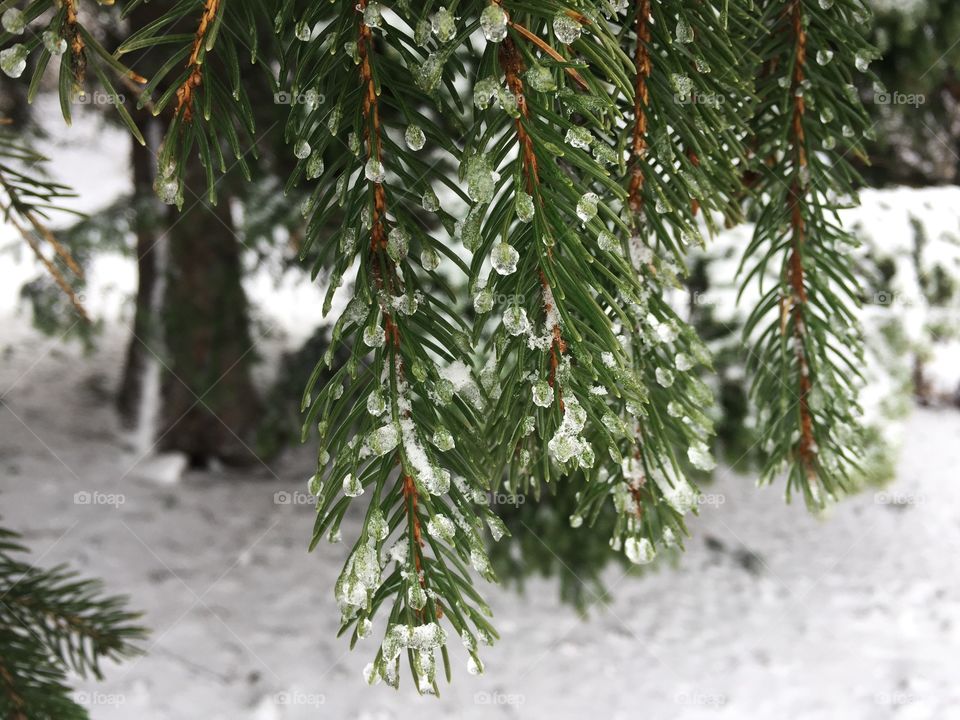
(809, 343)
(23, 196)
(50, 622)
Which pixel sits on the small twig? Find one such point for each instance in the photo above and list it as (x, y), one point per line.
(195, 79)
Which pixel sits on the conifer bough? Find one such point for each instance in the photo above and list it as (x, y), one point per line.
(556, 160)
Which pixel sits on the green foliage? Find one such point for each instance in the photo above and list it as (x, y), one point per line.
(806, 353)
(558, 160)
(53, 623)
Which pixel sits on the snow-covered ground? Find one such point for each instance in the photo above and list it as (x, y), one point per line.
(771, 614)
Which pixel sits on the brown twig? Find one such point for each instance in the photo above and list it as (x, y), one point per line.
(75, 40)
(641, 100)
(512, 65)
(194, 63)
(806, 448)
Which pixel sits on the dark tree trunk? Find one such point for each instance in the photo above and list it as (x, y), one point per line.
(209, 406)
(191, 309)
(144, 334)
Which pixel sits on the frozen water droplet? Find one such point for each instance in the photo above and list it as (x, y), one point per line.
(862, 62)
(374, 336)
(579, 137)
(54, 44)
(525, 209)
(664, 377)
(483, 301)
(541, 78)
(639, 550)
(515, 320)
(376, 403)
(13, 21)
(576, 520)
(377, 526)
(484, 91)
(373, 15)
(824, 56)
(352, 486)
(606, 241)
(474, 665)
(363, 631)
(314, 167)
(415, 137)
(429, 259)
(13, 60)
(542, 394)
(493, 22)
(504, 258)
(398, 244)
(587, 207)
(416, 597)
(682, 84)
(429, 74)
(442, 528)
(422, 33)
(481, 182)
(699, 455)
(333, 122)
(566, 28)
(374, 171)
(826, 4)
(383, 439)
(430, 201)
(683, 362)
(302, 150)
(444, 25)
(303, 31)
(443, 439)
(684, 31)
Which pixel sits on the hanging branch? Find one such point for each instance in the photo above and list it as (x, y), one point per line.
(806, 356)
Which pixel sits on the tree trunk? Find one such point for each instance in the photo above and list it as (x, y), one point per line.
(209, 406)
(143, 340)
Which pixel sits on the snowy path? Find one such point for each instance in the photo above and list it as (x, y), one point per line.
(772, 614)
